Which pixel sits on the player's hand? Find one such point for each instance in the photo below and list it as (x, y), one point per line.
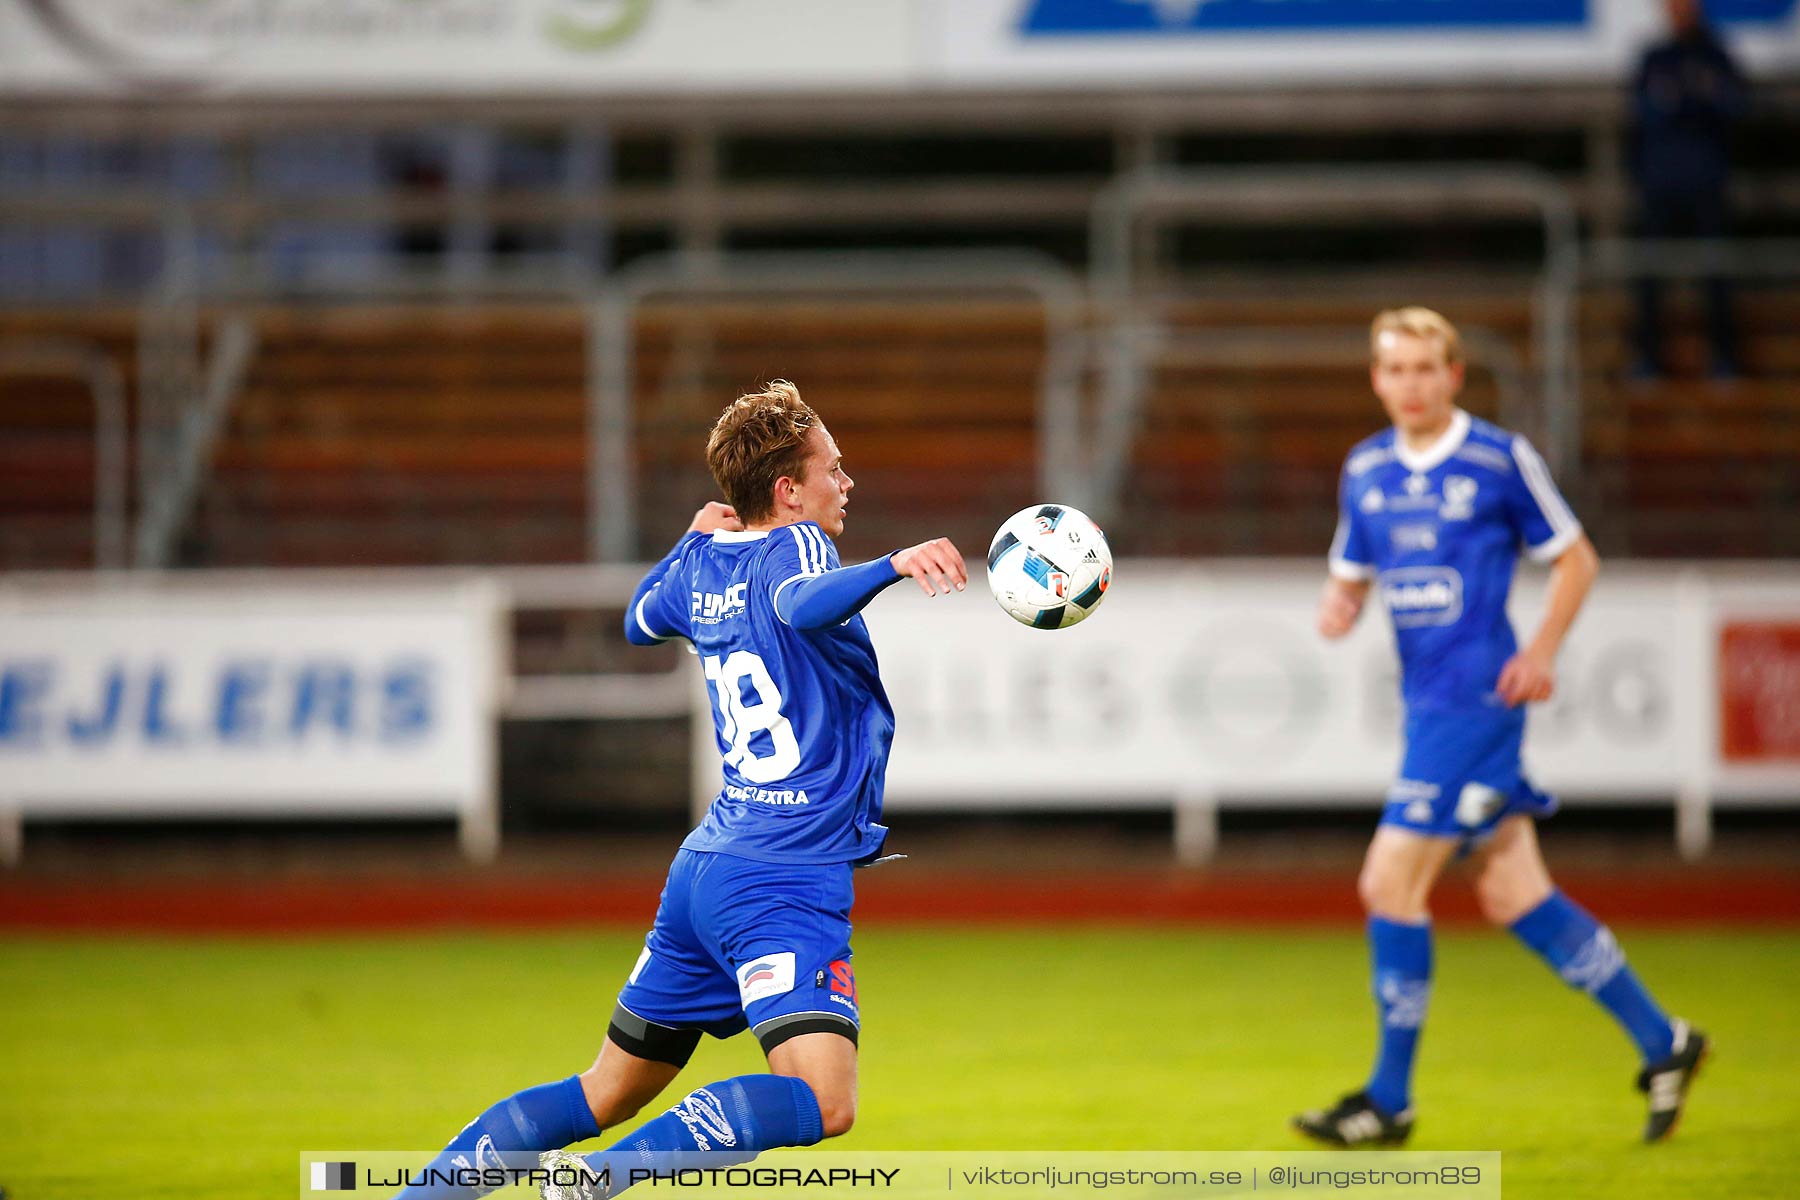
(937, 565)
(1339, 607)
(1526, 679)
(715, 516)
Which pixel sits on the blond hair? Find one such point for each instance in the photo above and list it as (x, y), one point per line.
(760, 437)
(1424, 323)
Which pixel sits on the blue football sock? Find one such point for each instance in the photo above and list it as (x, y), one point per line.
(1401, 955)
(734, 1120)
(1587, 956)
(547, 1117)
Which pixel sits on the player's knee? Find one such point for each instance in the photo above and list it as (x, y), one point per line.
(837, 1113)
(611, 1104)
(1380, 893)
(1503, 899)
(1495, 900)
(1368, 890)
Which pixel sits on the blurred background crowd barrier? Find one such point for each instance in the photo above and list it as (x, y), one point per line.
(457, 286)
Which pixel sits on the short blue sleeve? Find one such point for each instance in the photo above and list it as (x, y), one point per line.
(1350, 556)
(1538, 512)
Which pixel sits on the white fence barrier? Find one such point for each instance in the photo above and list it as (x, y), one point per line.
(206, 696)
(1196, 685)
(1204, 684)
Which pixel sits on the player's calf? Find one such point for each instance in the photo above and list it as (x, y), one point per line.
(728, 1122)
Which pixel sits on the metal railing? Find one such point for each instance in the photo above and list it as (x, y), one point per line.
(612, 345)
(1398, 195)
(106, 391)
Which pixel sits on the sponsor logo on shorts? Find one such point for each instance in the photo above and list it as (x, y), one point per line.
(1477, 805)
(1404, 790)
(1417, 796)
(766, 975)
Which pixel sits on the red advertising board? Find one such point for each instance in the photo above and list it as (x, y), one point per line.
(1759, 691)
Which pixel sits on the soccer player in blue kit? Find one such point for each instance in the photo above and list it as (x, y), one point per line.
(753, 929)
(1433, 512)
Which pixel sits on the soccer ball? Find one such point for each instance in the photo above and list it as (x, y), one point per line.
(1049, 566)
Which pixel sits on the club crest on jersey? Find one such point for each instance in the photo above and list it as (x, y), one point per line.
(712, 607)
(1459, 498)
(766, 975)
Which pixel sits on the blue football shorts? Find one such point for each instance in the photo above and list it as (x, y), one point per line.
(1461, 775)
(741, 944)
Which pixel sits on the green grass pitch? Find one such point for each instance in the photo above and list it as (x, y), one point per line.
(200, 1068)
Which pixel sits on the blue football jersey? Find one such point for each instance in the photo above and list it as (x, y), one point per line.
(802, 721)
(1439, 532)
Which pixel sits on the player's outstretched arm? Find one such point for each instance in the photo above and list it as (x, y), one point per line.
(1530, 675)
(937, 565)
(642, 627)
(1340, 605)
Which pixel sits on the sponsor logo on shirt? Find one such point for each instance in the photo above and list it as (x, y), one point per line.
(1417, 596)
(766, 795)
(1415, 536)
(709, 608)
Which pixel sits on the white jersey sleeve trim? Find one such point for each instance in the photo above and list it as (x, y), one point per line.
(817, 536)
(1542, 488)
(1341, 566)
(1553, 549)
(1352, 572)
(775, 596)
(638, 612)
(811, 562)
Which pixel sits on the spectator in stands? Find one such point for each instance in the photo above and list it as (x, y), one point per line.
(1686, 98)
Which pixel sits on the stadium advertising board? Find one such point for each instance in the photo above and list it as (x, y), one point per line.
(1759, 691)
(449, 46)
(1209, 680)
(443, 47)
(204, 697)
(1201, 43)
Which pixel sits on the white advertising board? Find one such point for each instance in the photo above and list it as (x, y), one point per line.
(1246, 43)
(206, 697)
(451, 47)
(475, 47)
(1209, 679)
